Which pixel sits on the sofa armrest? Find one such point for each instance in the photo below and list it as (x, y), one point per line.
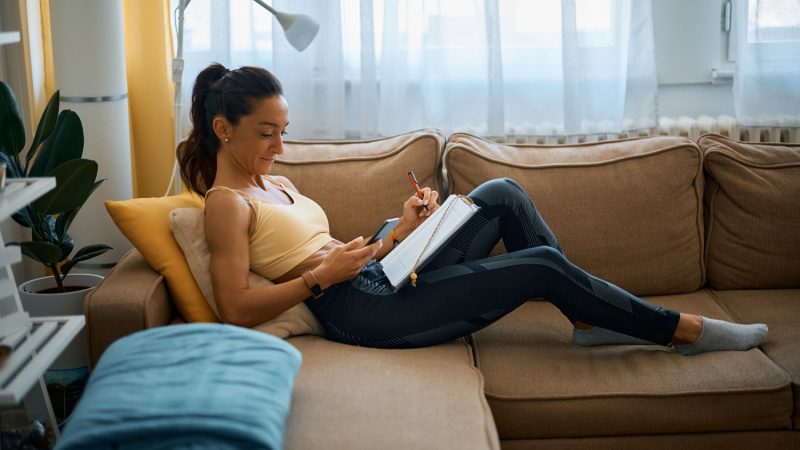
(131, 298)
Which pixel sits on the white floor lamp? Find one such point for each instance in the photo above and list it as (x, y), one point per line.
(299, 29)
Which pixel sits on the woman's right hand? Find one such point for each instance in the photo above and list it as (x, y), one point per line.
(345, 262)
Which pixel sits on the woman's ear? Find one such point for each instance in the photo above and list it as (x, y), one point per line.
(222, 128)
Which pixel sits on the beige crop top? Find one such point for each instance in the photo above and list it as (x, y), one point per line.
(284, 235)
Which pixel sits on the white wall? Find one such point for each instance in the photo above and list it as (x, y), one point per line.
(690, 42)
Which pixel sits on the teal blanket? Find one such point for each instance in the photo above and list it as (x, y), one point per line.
(193, 386)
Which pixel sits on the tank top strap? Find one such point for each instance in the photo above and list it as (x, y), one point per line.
(225, 188)
(274, 181)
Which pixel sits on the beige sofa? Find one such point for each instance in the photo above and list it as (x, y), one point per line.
(707, 227)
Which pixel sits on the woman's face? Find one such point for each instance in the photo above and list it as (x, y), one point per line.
(258, 139)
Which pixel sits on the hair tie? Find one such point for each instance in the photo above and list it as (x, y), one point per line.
(223, 80)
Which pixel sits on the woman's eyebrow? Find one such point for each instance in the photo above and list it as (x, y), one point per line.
(273, 124)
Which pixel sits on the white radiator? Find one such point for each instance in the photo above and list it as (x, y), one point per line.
(682, 126)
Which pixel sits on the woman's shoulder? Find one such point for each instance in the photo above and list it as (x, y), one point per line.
(225, 201)
(226, 211)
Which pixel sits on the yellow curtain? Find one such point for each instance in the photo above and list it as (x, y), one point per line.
(148, 56)
(33, 32)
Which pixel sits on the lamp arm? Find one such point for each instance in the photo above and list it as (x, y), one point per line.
(267, 7)
(177, 76)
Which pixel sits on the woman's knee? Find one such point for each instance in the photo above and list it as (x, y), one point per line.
(542, 255)
(547, 253)
(498, 190)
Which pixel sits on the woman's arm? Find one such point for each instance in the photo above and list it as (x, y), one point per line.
(228, 218)
(227, 232)
(414, 214)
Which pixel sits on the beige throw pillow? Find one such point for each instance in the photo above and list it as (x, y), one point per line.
(188, 227)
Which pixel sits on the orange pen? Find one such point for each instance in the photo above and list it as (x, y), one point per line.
(416, 187)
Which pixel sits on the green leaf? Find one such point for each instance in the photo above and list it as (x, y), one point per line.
(66, 246)
(12, 132)
(74, 181)
(40, 251)
(66, 267)
(22, 217)
(12, 169)
(46, 126)
(64, 144)
(88, 252)
(49, 230)
(65, 219)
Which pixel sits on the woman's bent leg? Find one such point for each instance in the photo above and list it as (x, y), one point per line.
(506, 213)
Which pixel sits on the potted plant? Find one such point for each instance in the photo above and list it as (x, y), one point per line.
(61, 138)
(56, 152)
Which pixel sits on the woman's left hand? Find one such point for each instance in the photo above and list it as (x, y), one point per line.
(414, 212)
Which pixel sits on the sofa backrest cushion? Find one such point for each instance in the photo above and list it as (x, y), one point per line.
(752, 207)
(359, 184)
(626, 211)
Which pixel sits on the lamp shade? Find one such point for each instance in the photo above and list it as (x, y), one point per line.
(300, 29)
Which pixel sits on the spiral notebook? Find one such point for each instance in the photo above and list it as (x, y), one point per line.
(427, 240)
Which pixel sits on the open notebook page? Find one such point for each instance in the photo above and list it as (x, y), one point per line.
(399, 263)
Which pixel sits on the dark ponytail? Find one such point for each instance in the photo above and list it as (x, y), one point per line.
(219, 92)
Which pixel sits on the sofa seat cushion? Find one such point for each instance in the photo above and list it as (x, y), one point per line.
(780, 310)
(539, 385)
(628, 211)
(348, 397)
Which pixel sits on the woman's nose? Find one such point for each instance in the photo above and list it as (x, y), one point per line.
(277, 147)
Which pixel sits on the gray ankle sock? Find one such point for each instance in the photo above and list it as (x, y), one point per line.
(601, 336)
(718, 335)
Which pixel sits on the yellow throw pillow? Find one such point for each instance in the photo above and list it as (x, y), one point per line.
(145, 222)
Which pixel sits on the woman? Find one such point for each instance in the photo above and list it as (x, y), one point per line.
(261, 223)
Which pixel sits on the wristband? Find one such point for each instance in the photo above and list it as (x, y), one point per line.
(393, 236)
(311, 282)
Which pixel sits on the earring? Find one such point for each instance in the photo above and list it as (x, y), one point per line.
(226, 139)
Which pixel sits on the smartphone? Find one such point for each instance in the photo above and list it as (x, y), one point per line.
(384, 230)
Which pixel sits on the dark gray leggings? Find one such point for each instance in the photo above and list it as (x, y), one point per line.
(463, 290)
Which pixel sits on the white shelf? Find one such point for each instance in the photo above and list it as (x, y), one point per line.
(9, 37)
(49, 336)
(33, 351)
(19, 192)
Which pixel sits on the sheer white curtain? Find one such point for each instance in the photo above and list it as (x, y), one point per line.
(488, 67)
(766, 86)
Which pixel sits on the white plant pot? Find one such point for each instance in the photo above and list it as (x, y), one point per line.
(60, 304)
